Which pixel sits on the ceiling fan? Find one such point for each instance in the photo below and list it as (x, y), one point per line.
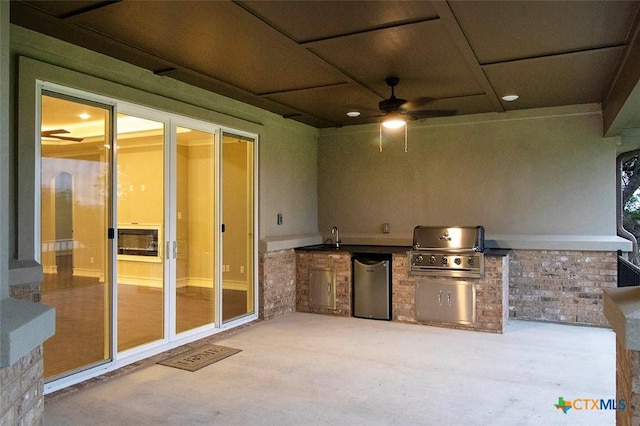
(57, 134)
(396, 109)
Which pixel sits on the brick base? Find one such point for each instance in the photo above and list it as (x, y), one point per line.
(277, 283)
(627, 367)
(21, 394)
(341, 263)
(563, 286)
(491, 295)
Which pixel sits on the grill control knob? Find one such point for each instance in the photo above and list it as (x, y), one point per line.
(471, 261)
(445, 260)
(432, 259)
(419, 258)
(457, 261)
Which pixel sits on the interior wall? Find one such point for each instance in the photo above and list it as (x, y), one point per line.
(235, 209)
(546, 172)
(87, 214)
(199, 214)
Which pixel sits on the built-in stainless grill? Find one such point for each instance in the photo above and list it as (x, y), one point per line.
(456, 251)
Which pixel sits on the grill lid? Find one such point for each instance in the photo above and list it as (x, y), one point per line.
(448, 238)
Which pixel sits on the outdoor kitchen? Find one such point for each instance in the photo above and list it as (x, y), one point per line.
(445, 279)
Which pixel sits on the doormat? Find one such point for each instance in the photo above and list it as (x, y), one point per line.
(200, 357)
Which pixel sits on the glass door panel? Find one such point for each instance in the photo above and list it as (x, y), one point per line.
(195, 229)
(140, 224)
(238, 239)
(75, 203)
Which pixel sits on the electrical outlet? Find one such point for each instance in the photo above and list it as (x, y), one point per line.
(91, 259)
(242, 269)
(279, 219)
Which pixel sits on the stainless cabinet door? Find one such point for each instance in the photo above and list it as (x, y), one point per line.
(445, 301)
(459, 302)
(428, 301)
(322, 288)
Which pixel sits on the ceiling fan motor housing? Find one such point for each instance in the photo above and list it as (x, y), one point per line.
(392, 104)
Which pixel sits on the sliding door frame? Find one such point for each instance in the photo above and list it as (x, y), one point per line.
(171, 120)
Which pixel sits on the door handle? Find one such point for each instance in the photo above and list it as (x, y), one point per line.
(439, 297)
(449, 298)
(328, 288)
(175, 249)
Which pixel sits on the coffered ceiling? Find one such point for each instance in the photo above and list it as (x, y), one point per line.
(313, 61)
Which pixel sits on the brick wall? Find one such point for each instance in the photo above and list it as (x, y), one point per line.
(627, 366)
(22, 384)
(21, 394)
(277, 283)
(403, 291)
(564, 286)
(341, 263)
(30, 292)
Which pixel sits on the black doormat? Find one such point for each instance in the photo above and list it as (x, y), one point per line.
(199, 357)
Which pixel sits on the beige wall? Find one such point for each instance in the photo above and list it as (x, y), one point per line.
(288, 181)
(87, 212)
(538, 172)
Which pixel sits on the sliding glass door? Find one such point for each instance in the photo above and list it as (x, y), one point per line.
(140, 231)
(147, 230)
(238, 249)
(196, 230)
(74, 207)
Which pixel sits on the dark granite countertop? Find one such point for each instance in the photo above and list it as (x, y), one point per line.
(358, 248)
(355, 248)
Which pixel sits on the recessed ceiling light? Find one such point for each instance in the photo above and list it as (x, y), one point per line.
(353, 114)
(84, 116)
(510, 98)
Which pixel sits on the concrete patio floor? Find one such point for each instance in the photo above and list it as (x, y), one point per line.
(306, 369)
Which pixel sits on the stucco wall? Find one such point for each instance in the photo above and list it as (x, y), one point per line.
(536, 172)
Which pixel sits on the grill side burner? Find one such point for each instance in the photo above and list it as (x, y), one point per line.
(447, 251)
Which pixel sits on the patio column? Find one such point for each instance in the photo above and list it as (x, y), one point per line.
(622, 310)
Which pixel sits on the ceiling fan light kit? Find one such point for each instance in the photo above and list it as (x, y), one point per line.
(394, 122)
(397, 111)
(406, 147)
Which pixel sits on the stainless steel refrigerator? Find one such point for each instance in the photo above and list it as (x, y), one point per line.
(372, 287)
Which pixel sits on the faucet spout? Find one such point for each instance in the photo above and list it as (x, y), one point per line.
(335, 231)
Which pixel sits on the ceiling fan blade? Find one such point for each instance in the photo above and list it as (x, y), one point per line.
(416, 115)
(55, 134)
(65, 138)
(416, 103)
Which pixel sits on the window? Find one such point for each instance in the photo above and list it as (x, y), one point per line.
(628, 208)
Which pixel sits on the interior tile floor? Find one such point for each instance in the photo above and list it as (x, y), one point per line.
(81, 318)
(307, 369)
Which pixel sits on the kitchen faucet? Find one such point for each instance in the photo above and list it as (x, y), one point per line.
(334, 230)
